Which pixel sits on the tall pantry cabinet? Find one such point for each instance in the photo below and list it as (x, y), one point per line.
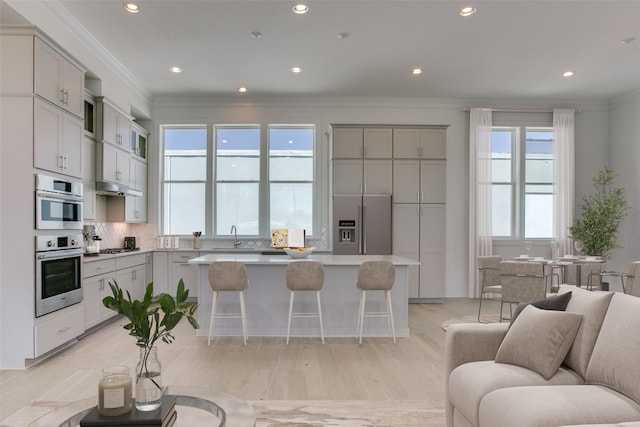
(419, 207)
(408, 162)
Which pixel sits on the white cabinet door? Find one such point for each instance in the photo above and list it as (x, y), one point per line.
(406, 181)
(433, 144)
(378, 143)
(89, 178)
(95, 289)
(347, 143)
(180, 269)
(57, 140)
(433, 181)
(406, 240)
(419, 143)
(378, 177)
(71, 139)
(432, 251)
(114, 127)
(58, 80)
(347, 176)
(406, 143)
(138, 174)
(138, 281)
(160, 272)
(114, 165)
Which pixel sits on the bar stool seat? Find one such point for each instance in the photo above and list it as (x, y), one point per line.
(376, 276)
(228, 276)
(305, 276)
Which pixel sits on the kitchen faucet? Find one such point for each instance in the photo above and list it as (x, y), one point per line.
(236, 242)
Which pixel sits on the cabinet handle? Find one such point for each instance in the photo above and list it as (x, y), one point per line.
(65, 162)
(102, 267)
(65, 97)
(61, 99)
(61, 161)
(63, 330)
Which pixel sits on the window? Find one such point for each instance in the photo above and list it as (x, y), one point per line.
(291, 177)
(184, 179)
(237, 179)
(256, 177)
(522, 182)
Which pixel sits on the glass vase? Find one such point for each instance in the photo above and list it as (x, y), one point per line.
(148, 380)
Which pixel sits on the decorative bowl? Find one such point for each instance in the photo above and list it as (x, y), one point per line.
(298, 252)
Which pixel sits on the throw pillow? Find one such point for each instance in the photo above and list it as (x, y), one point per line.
(554, 302)
(539, 340)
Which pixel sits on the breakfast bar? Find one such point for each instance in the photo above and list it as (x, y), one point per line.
(267, 298)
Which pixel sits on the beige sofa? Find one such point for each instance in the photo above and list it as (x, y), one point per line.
(597, 384)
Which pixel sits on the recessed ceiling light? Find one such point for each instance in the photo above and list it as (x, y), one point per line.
(296, 70)
(175, 69)
(343, 35)
(628, 40)
(467, 11)
(568, 74)
(416, 71)
(131, 7)
(256, 34)
(300, 8)
(242, 89)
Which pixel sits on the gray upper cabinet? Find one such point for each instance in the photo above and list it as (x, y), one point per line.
(58, 80)
(420, 143)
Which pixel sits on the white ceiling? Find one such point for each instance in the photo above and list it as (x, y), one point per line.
(508, 49)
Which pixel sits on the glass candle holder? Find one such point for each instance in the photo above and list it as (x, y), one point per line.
(115, 391)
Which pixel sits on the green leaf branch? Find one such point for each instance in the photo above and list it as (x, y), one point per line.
(601, 215)
(154, 317)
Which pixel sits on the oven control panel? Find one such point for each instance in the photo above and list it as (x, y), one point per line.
(56, 242)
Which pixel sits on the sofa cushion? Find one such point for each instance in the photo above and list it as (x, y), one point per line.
(539, 340)
(629, 424)
(555, 406)
(593, 306)
(470, 382)
(615, 361)
(554, 302)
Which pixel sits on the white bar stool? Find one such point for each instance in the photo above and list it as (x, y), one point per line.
(376, 276)
(227, 276)
(305, 276)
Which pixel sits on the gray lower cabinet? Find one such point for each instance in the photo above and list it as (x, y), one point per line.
(180, 269)
(130, 272)
(95, 286)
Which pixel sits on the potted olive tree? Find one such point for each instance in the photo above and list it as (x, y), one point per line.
(600, 216)
(150, 320)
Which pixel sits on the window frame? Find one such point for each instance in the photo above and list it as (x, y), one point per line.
(263, 183)
(518, 179)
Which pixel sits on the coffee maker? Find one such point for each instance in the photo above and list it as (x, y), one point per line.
(91, 240)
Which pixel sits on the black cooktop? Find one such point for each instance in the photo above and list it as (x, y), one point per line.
(117, 250)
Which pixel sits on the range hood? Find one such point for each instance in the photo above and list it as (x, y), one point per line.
(104, 188)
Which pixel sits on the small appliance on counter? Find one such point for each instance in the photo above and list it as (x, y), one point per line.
(130, 243)
(91, 240)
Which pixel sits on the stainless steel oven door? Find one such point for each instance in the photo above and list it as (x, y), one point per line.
(58, 280)
(57, 212)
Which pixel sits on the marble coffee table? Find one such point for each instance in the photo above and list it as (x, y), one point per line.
(195, 406)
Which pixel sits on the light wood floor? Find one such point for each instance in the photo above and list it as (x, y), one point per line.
(265, 369)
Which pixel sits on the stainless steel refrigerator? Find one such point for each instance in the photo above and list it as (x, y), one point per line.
(362, 224)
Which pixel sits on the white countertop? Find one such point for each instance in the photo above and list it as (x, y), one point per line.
(285, 259)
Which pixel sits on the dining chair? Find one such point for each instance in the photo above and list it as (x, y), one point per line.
(489, 275)
(305, 276)
(522, 282)
(228, 276)
(631, 276)
(375, 276)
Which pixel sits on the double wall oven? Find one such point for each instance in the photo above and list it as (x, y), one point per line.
(59, 249)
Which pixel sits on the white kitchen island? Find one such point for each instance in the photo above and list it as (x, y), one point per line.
(267, 298)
